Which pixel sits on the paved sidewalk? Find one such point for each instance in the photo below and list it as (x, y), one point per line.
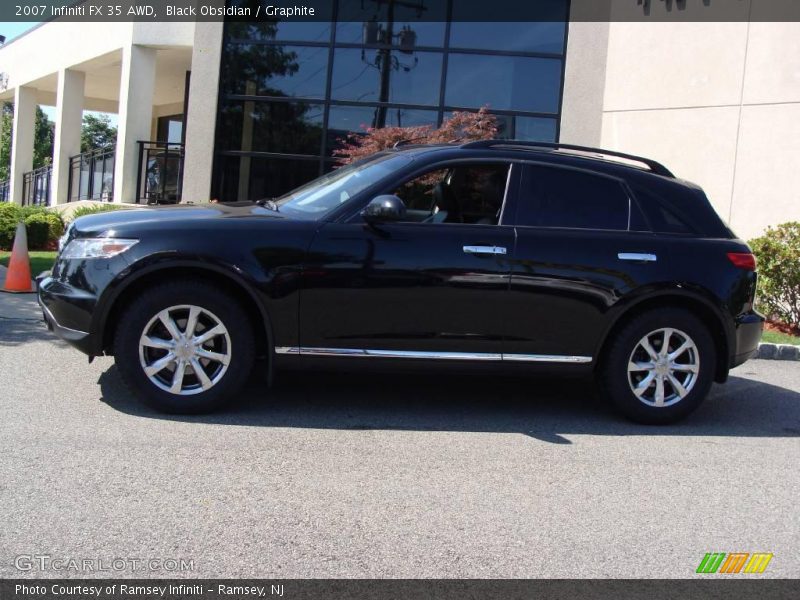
(343, 475)
(17, 306)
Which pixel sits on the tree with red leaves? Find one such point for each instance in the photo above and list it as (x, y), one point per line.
(461, 127)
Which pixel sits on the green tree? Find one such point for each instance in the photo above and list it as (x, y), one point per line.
(7, 116)
(97, 132)
(43, 137)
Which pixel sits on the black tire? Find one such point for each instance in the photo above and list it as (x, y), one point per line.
(240, 345)
(614, 375)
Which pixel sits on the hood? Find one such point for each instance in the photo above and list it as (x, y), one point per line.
(166, 216)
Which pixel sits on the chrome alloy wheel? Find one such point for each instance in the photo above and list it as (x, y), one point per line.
(663, 367)
(185, 350)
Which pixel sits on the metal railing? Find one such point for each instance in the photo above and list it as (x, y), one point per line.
(5, 190)
(160, 173)
(36, 186)
(91, 175)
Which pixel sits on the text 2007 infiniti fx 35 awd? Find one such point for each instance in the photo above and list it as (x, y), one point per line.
(511, 254)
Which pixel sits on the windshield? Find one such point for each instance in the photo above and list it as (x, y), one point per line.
(320, 196)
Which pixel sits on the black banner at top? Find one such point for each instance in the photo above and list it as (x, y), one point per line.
(419, 10)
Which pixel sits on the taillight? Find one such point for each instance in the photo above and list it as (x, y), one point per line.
(743, 260)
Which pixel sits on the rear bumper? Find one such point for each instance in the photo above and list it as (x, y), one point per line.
(67, 312)
(749, 328)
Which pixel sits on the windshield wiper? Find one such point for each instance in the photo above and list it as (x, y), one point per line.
(270, 204)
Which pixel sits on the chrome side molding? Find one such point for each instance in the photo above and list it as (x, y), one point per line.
(474, 356)
(637, 256)
(547, 358)
(484, 250)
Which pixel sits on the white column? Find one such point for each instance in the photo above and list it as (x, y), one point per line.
(69, 118)
(201, 120)
(137, 82)
(22, 138)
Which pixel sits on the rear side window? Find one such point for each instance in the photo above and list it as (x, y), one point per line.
(555, 197)
(663, 219)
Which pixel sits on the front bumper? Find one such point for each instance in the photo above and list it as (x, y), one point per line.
(67, 312)
(749, 328)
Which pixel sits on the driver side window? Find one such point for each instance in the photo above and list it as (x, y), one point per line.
(469, 193)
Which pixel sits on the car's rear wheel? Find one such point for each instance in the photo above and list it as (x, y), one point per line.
(184, 347)
(660, 366)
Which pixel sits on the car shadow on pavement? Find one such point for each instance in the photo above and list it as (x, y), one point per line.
(16, 331)
(544, 409)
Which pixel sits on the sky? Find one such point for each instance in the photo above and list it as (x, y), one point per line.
(12, 30)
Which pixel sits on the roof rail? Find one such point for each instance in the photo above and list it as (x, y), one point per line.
(406, 142)
(655, 166)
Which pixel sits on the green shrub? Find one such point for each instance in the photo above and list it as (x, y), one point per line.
(43, 226)
(38, 227)
(93, 210)
(10, 215)
(778, 254)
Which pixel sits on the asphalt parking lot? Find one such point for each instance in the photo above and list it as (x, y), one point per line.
(351, 475)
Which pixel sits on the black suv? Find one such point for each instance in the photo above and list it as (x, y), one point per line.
(526, 256)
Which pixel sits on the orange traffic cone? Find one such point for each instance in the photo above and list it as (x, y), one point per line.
(18, 278)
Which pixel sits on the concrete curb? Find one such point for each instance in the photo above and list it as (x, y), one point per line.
(778, 352)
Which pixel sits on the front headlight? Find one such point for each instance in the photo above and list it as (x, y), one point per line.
(96, 248)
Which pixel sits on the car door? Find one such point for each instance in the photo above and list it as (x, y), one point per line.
(431, 286)
(578, 251)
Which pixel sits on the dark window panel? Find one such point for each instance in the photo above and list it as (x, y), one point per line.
(364, 22)
(413, 79)
(286, 127)
(504, 82)
(274, 70)
(354, 119)
(305, 31)
(253, 178)
(544, 37)
(534, 129)
(553, 197)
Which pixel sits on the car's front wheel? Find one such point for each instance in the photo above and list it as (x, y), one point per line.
(660, 366)
(184, 347)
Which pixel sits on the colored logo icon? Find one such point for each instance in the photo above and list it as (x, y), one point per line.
(735, 562)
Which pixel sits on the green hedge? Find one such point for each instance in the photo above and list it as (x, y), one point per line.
(778, 254)
(43, 226)
(93, 210)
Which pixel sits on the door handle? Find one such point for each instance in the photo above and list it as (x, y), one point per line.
(484, 250)
(637, 256)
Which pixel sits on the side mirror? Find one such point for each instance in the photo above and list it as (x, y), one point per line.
(384, 208)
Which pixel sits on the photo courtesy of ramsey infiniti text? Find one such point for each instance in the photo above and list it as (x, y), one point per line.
(530, 257)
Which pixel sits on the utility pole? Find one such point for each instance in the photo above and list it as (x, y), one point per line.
(385, 61)
(385, 57)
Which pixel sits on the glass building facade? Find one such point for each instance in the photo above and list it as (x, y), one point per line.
(290, 92)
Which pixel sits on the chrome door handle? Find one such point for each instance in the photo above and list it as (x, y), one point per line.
(637, 256)
(484, 250)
